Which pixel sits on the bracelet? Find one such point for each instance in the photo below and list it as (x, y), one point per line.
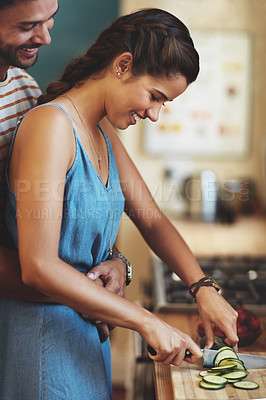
(205, 281)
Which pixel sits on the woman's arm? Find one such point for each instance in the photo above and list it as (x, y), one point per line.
(167, 243)
(51, 152)
(12, 286)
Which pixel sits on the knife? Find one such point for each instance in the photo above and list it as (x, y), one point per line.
(249, 360)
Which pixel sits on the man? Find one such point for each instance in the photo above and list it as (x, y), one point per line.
(24, 28)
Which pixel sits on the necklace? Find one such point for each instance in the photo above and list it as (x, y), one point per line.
(110, 251)
(99, 158)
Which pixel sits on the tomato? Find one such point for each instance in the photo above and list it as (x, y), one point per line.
(242, 330)
(243, 317)
(218, 332)
(254, 323)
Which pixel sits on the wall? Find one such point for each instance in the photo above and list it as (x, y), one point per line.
(245, 15)
(77, 25)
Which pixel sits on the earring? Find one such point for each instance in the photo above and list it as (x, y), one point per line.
(116, 70)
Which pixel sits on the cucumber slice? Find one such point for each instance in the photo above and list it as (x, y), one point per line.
(249, 385)
(235, 375)
(224, 353)
(238, 364)
(215, 380)
(233, 380)
(222, 368)
(209, 372)
(205, 385)
(225, 347)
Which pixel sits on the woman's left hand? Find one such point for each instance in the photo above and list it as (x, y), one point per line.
(216, 311)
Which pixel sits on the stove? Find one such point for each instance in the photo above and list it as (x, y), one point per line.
(242, 281)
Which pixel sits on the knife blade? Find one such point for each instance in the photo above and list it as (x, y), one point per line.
(249, 360)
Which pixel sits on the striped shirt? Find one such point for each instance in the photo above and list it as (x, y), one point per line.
(18, 94)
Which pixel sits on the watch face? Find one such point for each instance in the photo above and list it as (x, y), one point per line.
(129, 274)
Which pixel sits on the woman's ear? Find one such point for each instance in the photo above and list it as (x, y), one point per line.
(123, 63)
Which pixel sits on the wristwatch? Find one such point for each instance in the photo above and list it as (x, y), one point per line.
(127, 263)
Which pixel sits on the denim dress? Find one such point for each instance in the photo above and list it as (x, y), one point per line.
(49, 351)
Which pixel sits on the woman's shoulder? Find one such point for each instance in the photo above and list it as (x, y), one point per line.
(49, 118)
(46, 127)
(49, 137)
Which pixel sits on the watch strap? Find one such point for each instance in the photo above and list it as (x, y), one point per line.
(127, 263)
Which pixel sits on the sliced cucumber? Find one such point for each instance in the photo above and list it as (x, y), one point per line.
(225, 352)
(215, 380)
(211, 386)
(225, 348)
(238, 364)
(209, 372)
(235, 375)
(249, 385)
(222, 368)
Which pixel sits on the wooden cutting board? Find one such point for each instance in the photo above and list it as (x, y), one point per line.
(185, 383)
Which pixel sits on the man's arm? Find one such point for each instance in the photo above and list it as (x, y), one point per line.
(11, 284)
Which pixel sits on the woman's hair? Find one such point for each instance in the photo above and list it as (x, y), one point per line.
(159, 42)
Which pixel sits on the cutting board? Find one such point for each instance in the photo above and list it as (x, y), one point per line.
(185, 382)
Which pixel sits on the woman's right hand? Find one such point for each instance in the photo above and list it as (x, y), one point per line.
(170, 344)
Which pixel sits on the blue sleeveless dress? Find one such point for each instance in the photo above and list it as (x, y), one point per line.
(48, 351)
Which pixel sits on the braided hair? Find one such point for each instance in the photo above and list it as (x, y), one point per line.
(159, 42)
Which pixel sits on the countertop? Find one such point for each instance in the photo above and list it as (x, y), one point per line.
(188, 324)
(246, 236)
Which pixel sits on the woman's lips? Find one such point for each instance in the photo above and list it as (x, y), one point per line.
(134, 117)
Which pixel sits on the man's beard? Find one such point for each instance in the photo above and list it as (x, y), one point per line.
(8, 54)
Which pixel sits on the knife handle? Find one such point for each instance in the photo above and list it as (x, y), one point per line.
(153, 352)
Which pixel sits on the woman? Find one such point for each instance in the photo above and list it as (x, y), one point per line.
(64, 207)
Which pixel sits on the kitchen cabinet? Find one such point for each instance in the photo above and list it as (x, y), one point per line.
(162, 374)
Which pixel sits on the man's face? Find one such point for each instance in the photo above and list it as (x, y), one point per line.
(24, 27)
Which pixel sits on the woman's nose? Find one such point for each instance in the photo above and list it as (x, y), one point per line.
(154, 112)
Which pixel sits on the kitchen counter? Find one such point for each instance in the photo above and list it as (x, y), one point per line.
(188, 324)
(246, 236)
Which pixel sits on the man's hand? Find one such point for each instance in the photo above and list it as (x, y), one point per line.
(113, 274)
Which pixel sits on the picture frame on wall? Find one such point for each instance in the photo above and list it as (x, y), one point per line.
(212, 117)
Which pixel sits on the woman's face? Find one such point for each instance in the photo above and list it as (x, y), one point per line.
(143, 97)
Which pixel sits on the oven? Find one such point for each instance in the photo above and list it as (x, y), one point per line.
(242, 281)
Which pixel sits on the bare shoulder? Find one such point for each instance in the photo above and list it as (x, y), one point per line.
(48, 119)
(49, 136)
